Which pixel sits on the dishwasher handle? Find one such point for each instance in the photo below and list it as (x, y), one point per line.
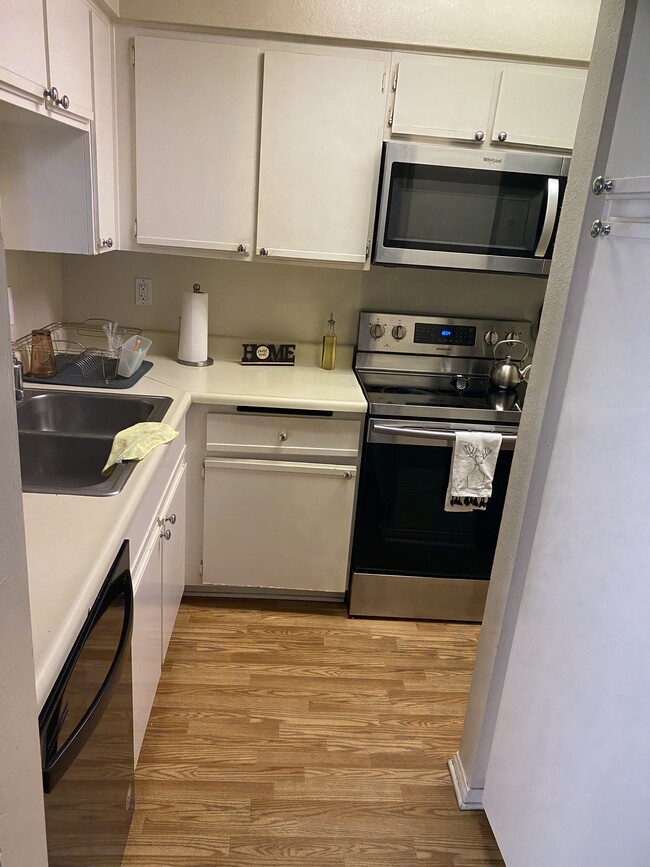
(54, 767)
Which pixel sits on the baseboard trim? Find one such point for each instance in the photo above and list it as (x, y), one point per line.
(468, 799)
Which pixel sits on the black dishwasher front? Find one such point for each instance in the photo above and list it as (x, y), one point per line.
(86, 732)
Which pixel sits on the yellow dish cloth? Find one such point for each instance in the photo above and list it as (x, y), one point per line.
(135, 442)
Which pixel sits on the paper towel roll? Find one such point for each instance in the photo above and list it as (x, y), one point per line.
(193, 340)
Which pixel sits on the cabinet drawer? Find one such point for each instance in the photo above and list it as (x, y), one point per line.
(282, 435)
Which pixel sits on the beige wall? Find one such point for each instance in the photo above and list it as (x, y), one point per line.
(35, 280)
(282, 302)
(554, 28)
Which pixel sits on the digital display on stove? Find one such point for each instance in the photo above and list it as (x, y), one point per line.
(450, 335)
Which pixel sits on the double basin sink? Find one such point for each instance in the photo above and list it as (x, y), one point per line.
(66, 437)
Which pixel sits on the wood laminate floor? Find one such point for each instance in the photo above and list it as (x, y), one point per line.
(288, 735)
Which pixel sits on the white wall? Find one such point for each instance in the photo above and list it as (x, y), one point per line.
(261, 300)
(22, 823)
(554, 29)
(35, 280)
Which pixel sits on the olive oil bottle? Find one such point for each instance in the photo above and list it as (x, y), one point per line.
(328, 358)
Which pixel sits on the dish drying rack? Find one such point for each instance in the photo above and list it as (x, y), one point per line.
(81, 351)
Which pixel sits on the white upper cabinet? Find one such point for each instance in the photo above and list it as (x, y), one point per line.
(45, 56)
(486, 101)
(444, 97)
(538, 107)
(22, 46)
(69, 55)
(196, 133)
(322, 118)
(104, 136)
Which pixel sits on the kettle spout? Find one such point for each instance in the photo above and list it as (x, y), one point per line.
(525, 372)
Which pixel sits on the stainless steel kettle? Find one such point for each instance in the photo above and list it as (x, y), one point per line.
(506, 373)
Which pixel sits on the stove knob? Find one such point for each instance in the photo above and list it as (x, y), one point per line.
(491, 338)
(398, 332)
(512, 335)
(377, 330)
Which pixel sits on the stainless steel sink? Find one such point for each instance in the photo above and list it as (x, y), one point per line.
(86, 413)
(66, 437)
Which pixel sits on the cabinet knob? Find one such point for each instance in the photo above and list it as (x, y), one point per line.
(264, 251)
(241, 248)
(601, 185)
(52, 94)
(171, 519)
(166, 534)
(479, 135)
(599, 228)
(64, 102)
(283, 436)
(107, 242)
(347, 474)
(502, 136)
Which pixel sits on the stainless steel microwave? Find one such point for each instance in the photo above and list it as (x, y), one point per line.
(481, 210)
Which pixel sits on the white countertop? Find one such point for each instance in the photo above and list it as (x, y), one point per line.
(230, 383)
(73, 540)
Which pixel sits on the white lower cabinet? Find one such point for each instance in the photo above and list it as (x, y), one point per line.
(277, 524)
(173, 559)
(146, 646)
(158, 580)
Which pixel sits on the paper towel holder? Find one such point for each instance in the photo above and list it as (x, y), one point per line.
(197, 290)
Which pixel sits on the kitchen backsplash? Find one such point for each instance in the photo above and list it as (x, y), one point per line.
(35, 280)
(278, 302)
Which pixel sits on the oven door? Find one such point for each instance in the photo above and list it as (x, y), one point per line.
(469, 210)
(410, 557)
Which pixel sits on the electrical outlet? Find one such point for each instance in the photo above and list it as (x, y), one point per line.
(143, 291)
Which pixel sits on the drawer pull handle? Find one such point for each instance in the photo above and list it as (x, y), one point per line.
(283, 436)
(347, 474)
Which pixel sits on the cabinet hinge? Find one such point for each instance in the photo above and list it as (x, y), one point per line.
(390, 117)
(201, 568)
(368, 248)
(135, 228)
(394, 84)
(133, 56)
(383, 82)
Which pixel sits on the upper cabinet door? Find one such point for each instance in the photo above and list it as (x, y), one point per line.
(196, 125)
(539, 108)
(443, 97)
(68, 42)
(322, 120)
(22, 45)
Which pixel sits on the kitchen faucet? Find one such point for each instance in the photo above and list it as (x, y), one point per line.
(18, 379)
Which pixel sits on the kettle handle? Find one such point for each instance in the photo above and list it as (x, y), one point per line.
(510, 342)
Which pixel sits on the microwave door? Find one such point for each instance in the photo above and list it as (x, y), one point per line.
(448, 214)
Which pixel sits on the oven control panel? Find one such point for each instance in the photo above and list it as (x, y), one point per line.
(438, 335)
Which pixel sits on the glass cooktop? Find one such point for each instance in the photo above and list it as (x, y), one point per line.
(440, 396)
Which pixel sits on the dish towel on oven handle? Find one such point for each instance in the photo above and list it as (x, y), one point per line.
(472, 470)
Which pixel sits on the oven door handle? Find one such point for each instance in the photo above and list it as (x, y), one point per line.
(426, 433)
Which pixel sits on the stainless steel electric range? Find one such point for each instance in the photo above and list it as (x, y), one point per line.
(425, 378)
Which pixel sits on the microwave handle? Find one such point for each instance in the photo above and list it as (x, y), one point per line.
(552, 205)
